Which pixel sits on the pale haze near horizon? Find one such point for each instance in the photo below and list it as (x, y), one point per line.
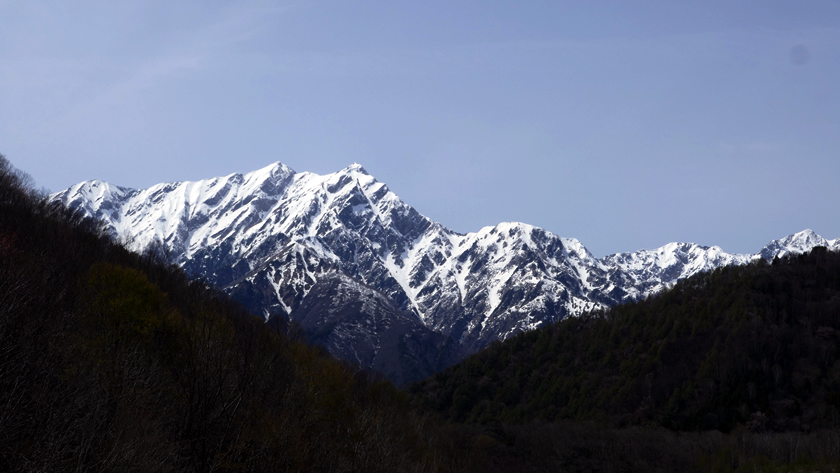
(626, 125)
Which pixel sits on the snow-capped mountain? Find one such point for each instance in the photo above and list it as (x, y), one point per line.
(651, 271)
(284, 242)
(796, 244)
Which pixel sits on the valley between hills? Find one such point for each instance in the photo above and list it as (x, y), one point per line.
(264, 322)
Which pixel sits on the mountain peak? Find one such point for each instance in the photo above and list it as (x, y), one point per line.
(357, 168)
(272, 171)
(794, 243)
(804, 235)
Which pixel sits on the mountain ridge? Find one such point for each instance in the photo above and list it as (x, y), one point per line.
(268, 236)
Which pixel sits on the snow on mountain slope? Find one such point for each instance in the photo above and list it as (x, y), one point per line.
(270, 236)
(185, 216)
(796, 244)
(501, 280)
(651, 271)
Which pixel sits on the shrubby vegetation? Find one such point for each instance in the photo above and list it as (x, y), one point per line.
(115, 361)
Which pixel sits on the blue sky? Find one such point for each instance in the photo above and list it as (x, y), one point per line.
(625, 124)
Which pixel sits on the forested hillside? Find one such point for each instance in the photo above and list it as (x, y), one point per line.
(115, 361)
(753, 346)
(111, 361)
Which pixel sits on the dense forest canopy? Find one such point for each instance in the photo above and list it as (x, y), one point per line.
(753, 345)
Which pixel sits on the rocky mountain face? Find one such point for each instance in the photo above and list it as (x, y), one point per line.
(372, 279)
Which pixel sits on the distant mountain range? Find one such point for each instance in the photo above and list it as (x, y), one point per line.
(372, 279)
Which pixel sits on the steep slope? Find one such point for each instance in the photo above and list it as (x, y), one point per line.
(360, 324)
(796, 244)
(651, 271)
(755, 345)
(125, 364)
(270, 236)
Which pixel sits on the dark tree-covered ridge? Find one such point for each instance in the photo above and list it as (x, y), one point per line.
(752, 345)
(114, 361)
